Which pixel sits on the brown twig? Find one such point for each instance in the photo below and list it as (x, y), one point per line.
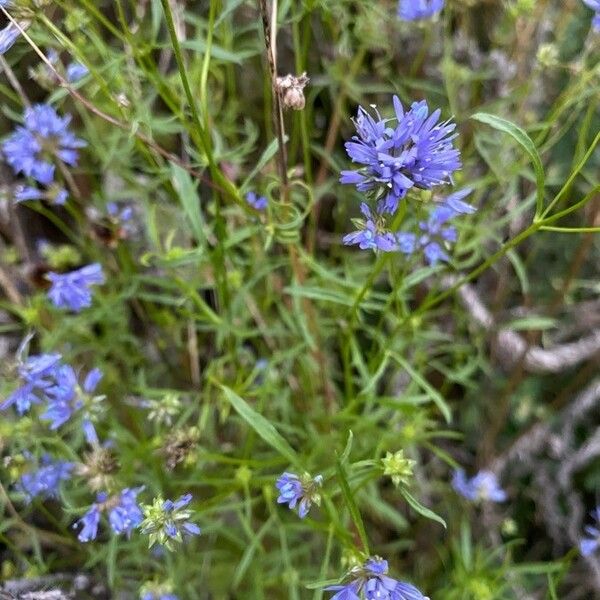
(269, 23)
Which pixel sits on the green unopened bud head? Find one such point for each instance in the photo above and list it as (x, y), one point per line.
(398, 467)
(509, 527)
(547, 56)
(243, 475)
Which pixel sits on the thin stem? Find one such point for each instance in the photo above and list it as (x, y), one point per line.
(269, 24)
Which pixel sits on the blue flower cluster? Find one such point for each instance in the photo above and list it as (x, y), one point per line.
(415, 10)
(595, 6)
(255, 201)
(36, 375)
(417, 153)
(167, 521)
(44, 378)
(44, 482)
(301, 491)
(177, 523)
(35, 146)
(370, 581)
(483, 487)
(72, 290)
(588, 545)
(65, 397)
(124, 514)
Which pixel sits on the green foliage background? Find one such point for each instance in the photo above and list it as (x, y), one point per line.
(366, 354)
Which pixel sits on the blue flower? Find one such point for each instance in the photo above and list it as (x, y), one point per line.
(27, 192)
(44, 136)
(90, 521)
(36, 375)
(255, 201)
(126, 515)
(72, 290)
(8, 36)
(589, 545)
(595, 6)
(435, 233)
(158, 596)
(119, 214)
(455, 202)
(65, 398)
(417, 152)
(371, 234)
(167, 521)
(55, 194)
(46, 480)
(76, 71)
(482, 487)
(414, 10)
(303, 491)
(372, 582)
(179, 523)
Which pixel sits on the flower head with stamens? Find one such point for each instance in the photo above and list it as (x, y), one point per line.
(168, 521)
(371, 233)
(370, 581)
(302, 491)
(417, 152)
(43, 138)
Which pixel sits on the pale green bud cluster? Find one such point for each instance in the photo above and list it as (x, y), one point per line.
(398, 467)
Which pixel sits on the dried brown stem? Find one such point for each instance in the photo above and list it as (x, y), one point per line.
(269, 24)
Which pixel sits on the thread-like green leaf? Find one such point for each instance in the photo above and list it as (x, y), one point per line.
(263, 427)
(188, 196)
(426, 386)
(351, 504)
(422, 510)
(521, 137)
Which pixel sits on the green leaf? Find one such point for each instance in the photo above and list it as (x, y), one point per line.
(346, 453)
(250, 551)
(317, 293)
(265, 157)
(321, 583)
(521, 137)
(351, 504)
(422, 510)
(426, 386)
(218, 52)
(186, 191)
(263, 427)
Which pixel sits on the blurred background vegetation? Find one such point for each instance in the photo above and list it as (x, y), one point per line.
(318, 338)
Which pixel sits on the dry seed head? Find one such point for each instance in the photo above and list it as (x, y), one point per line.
(291, 90)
